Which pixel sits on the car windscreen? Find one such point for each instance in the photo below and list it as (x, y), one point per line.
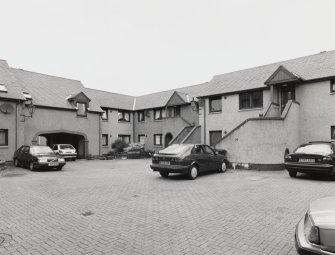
(66, 147)
(41, 150)
(319, 148)
(176, 149)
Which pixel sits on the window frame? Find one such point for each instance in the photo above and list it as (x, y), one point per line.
(160, 110)
(6, 137)
(332, 132)
(161, 139)
(82, 115)
(332, 86)
(251, 96)
(139, 138)
(102, 140)
(138, 116)
(210, 136)
(211, 99)
(106, 110)
(123, 136)
(123, 119)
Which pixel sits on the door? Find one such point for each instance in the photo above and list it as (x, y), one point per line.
(287, 93)
(168, 139)
(213, 163)
(25, 156)
(199, 155)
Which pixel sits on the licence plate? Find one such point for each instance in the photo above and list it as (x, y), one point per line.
(164, 162)
(53, 164)
(307, 160)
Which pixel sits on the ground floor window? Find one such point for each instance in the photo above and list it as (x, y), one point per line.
(158, 139)
(214, 137)
(104, 140)
(3, 137)
(332, 132)
(125, 138)
(141, 139)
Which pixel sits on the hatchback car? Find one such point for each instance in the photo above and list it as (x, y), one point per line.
(37, 157)
(312, 157)
(189, 159)
(67, 151)
(315, 232)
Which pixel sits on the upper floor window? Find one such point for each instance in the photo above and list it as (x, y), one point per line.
(332, 86)
(3, 137)
(215, 104)
(140, 116)
(3, 88)
(174, 111)
(124, 116)
(105, 114)
(253, 99)
(82, 109)
(159, 114)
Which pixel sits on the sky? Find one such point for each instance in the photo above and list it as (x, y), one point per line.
(137, 47)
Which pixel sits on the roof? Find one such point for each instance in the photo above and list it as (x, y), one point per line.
(51, 91)
(311, 67)
(111, 100)
(8, 79)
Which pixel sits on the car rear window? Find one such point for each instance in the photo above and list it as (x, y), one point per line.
(175, 149)
(319, 148)
(66, 147)
(40, 150)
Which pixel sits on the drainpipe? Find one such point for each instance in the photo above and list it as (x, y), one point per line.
(205, 121)
(16, 127)
(133, 113)
(100, 135)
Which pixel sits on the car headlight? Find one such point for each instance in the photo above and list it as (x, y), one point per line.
(42, 160)
(312, 232)
(61, 160)
(288, 157)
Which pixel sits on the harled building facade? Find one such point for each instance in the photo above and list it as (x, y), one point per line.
(257, 114)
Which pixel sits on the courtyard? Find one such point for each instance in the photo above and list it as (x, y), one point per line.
(122, 207)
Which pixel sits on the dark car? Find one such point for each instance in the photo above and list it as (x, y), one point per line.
(189, 159)
(37, 157)
(312, 157)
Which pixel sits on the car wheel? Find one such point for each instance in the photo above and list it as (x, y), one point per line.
(223, 167)
(16, 162)
(59, 168)
(292, 173)
(164, 174)
(193, 173)
(31, 166)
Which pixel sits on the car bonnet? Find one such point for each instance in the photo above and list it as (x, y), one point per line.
(322, 212)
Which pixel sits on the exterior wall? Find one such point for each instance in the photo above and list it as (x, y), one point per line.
(231, 116)
(169, 125)
(317, 111)
(114, 128)
(66, 121)
(13, 122)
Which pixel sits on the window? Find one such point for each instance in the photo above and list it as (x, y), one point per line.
(3, 88)
(104, 140)
(105, 114)
(214, 137)
(141, 139)
(140, 116)
(208, 150)
(158, 139)
(215, 104)
(332, 86)
(125, 138)
(332, 132)
(249, 100)
(3, 137)
(82, 109)
(124, 116)
(173, 111)
(159, 114)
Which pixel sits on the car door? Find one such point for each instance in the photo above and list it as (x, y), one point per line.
(200, 157)
(25, 156)
(213, 161)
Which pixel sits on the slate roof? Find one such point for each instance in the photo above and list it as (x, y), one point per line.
(110, 100)
(8, 79)
(52, 91)
(311, 67)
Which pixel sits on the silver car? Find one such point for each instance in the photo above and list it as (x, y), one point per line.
(315, 233)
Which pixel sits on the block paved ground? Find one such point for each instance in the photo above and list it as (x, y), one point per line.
(122, 207)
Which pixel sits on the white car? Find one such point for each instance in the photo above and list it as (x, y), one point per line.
(67, 151)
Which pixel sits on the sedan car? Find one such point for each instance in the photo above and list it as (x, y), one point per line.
(315, 233)
(67, 151)
(312, 157)
(189, 159)
(37, 157)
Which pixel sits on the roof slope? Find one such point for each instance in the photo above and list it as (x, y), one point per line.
(311, 67)
(8, 79)
(110, 100)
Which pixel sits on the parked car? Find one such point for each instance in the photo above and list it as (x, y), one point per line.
(312, 157)
(315, 232)
(67, 151)
(189, 159)
(37, 157)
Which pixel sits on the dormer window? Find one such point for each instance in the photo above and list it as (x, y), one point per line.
(27, 96)
(3, 88)
(82, 109)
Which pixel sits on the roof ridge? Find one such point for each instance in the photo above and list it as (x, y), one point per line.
(110, 92)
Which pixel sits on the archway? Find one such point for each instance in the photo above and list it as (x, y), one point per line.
(168, 139)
